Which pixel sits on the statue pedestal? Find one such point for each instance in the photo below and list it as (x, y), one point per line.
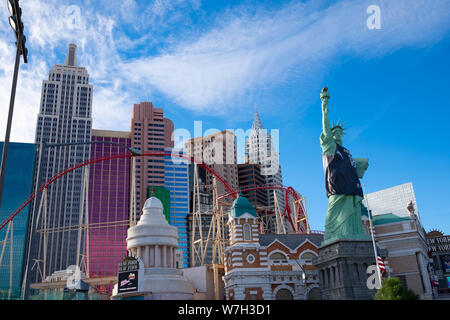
(342, 267)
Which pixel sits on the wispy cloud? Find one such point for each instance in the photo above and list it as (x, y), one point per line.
(142, 48)
(260, 51)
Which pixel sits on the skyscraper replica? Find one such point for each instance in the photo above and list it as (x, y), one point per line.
(260, 150)
(177, 182)
(250, 175)
(151, 133)
(108, 204)
(218, 151)
(18, 180)
(64, 117)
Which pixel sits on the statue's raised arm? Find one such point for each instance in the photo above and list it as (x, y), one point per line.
(326, 138)
(324, 96)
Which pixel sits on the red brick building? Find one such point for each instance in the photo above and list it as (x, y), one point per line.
(268, 266)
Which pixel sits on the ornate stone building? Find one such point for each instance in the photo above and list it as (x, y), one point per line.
(267, 266)
(403, 238)
(153, 242)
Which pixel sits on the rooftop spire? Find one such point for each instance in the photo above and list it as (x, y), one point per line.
(71, 58)
(257, 123)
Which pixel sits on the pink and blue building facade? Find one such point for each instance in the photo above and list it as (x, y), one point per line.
(108, 203)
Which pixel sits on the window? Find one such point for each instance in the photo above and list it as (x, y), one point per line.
(308, 257)
(250, 258)
(278, 258)
(284, 294)
(247, 232)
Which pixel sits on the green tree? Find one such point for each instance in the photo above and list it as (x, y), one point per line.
(393, 289)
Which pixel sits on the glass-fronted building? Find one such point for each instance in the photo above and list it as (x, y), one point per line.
(108, 205)
(17, 188)
(393, 200)
(177, 182)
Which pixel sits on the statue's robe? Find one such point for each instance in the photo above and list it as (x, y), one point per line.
(344, 192)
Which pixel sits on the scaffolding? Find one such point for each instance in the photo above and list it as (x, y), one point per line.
(215, 239)
(301, 214)
(82, 254)
(9, 232)
(279, 219)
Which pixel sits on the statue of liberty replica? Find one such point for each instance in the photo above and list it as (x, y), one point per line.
(346, 250)
(342, 174)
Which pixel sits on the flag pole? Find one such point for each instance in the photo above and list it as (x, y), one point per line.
(371, 233)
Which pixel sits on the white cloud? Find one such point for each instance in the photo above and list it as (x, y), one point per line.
(245, 51)
(260, 51)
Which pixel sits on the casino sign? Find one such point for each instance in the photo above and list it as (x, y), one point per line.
(439, 249)
(128, 275)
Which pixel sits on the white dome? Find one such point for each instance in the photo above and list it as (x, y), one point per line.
(152, 227)
(153, 202)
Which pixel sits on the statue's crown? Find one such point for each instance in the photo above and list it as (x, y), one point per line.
(339, 124)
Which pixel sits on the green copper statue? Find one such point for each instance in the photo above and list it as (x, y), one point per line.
(343, 188)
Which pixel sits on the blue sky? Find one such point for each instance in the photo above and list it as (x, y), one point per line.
(216, 61)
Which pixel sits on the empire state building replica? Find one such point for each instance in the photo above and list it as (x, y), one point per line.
(65, 116)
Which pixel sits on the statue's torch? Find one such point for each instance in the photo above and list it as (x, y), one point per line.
(324, 94)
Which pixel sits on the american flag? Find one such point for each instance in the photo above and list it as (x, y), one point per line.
(380, 264)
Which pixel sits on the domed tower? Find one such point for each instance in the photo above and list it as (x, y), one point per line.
(242, 222)
(245, 262)
(154, 242)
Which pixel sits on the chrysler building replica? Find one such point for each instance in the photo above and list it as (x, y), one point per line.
(260, 150)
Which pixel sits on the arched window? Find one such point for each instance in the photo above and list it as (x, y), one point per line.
(284, 294)
(314, 294)
(247, 232)
(278, 258)
(308, 257)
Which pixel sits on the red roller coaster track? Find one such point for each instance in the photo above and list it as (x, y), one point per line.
(287, 209)
(91, 161)
(231, 192)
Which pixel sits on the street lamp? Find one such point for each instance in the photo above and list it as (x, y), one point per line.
(301, 268)
(15, 21)
(16, 24)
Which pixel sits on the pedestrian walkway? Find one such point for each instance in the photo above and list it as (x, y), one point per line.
(442, 296)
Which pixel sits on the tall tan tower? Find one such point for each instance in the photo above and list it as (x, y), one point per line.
(151, 133)
(219, 152)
